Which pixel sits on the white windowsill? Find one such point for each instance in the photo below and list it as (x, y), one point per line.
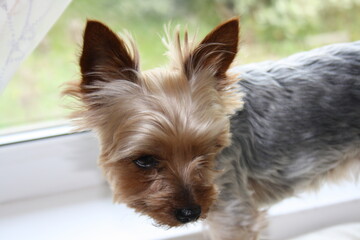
(89, 214)
(51, 188)
(84, 214)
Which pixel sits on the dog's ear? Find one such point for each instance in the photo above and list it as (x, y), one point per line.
(216, 51)
(105, 57)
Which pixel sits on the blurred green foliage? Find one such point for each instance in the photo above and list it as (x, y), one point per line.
(276, 20)
(270, 29)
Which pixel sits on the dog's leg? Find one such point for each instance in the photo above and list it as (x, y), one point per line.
(235, 216)
(237, 221)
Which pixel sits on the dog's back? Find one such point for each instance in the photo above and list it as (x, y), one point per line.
(301, 117)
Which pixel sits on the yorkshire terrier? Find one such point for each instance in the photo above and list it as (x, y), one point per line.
(197, 140)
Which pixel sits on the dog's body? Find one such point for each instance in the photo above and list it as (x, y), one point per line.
(191, 141)
(300, 125)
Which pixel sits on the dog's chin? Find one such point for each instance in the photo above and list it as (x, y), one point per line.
(164, 220)
(171, 222)
(165, 216)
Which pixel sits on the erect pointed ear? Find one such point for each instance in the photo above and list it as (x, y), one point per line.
(216, 51)
(105, 57)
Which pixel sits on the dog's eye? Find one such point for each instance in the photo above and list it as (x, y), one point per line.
(146, 162)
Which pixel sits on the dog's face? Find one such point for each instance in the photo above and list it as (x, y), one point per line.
(160, 130)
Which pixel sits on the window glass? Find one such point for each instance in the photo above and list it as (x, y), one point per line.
(270, 30)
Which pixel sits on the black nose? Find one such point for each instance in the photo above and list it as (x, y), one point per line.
(189, 214)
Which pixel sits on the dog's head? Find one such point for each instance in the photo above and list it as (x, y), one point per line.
(160, 130)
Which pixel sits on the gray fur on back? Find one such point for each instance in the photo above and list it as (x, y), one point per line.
(301, 114)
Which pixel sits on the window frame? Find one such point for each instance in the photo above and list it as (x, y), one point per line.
(47, 161)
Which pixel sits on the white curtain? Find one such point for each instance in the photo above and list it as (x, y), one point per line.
(23, 24)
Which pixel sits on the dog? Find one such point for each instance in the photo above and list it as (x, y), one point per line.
(197, 140)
